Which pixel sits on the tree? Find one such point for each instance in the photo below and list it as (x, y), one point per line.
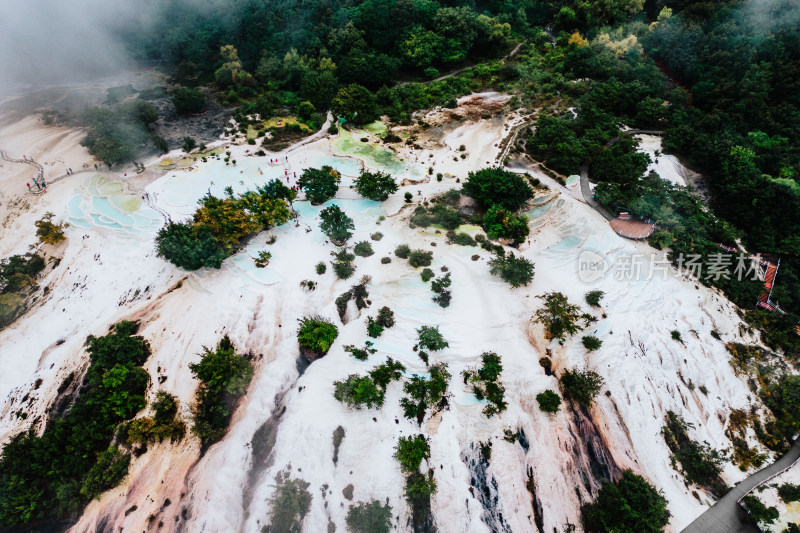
(336, 225)
(224, 376)
(420, 258)
(48, 232)
(593, 298)
(630, 504)
(190, 246)
(189, 100)
(411, 451)
(549, 401)
(514, 270)
(581, 386)
(231, 72)
(496, 186)
(431, 339)
(355, 103)
(375, 185)
(357, 390)
(317, 334)
(320, 184)
(560, 317)
(591, 343)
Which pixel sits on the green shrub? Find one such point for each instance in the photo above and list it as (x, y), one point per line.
(561, 318)
(372, 517)
(316, 334)
(760, 512)
(426, 274)
(676, 335)
(581, 386)
(485, 385)
(402, 251)
(630, 504)
(429, 338)
(386, 260)
(321, 268)
(357, 391)
(224, 376)
(363, 249)
(593, 298)
(376, 236)
(462, 239)
(385, 317)
(384, 374)
(343, 264)
(408, 196)
(289, 504)
(515, 271)
(591, 343)
(109, 470)
(374, 329)
(549, 401)
(164, 424)
(789, 493)
(441, 292)
(411, 451)
(422, 392)
(699, 463)
(420, 258)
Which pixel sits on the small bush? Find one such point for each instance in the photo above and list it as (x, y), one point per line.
(374, 329)
(462, 239)
(593, 298)
(357, 391)
(430, 338)
(426, 274)
(386, 260)
(385, 317)
(515, 271)
(760, 512)
(549, 401)
(591, 343)
(343, 264)
(316, 334)
(547, 365)
(321, 268)
(676, 335)
(581, 386)
(363, 249)
(789, 493)
(408, 196)
(411, 451)
(629, 504)
(402, 251)
(376, 236)
(420, 258)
